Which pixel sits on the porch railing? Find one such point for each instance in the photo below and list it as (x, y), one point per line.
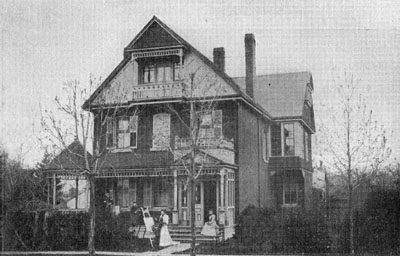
(173, 89)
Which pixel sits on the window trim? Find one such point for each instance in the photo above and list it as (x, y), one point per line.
(287, 185)
(113, 123)
(156, 64)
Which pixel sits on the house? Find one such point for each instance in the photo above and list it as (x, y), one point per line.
(255, 142)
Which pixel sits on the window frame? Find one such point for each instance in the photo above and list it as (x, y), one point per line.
(289, 187)
(114, 135)
(156, 66)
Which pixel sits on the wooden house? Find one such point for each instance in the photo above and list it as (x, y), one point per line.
(255, 143)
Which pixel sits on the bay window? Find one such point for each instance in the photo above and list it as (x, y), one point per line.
(288, 139)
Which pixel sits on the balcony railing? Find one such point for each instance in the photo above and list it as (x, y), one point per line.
(174, 89)
(222, 142)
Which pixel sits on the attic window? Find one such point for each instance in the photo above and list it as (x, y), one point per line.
(159, 72)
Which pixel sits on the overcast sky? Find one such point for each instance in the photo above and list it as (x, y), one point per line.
(45, 43)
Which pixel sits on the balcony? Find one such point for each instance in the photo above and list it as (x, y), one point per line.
(174, 89)
(222, 142)
(220, 148)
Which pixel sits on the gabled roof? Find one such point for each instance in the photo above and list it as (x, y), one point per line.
(172, 39)
(283, 95)
(71, 158)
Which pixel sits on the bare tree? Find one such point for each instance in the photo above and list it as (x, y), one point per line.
(352, 142)
(202, 90)
(72, 123)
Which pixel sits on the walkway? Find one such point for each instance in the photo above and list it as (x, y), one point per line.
(166, 251)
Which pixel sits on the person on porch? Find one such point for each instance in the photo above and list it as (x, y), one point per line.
(210, 227)
(165, 237)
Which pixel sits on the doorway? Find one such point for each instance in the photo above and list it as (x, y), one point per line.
(210, 198)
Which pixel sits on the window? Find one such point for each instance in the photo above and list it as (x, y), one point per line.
(122, 132)
(276, 142)
(265, 144)
(288, 139)
(110, 132)
(290, 193)
(211, 124)
(307, 146)
(160, 72)
(161, 131)
(72, 194)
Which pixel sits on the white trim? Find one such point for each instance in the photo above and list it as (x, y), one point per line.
(295, 119)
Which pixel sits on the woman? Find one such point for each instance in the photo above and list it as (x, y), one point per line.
(165, 237)
(210, 227)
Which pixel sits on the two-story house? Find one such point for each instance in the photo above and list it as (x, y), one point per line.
(255, 144)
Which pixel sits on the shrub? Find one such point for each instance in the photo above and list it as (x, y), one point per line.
(284, 231)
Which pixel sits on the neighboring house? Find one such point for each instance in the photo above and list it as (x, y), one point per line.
(256, 141)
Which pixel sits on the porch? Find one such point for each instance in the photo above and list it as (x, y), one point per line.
(155, 189)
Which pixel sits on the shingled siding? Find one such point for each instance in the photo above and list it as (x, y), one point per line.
(253, 175)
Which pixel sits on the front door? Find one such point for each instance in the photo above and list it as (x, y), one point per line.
(199, 203)
(210, 198)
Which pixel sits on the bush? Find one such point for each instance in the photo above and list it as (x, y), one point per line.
(294, 231)
(378, 223)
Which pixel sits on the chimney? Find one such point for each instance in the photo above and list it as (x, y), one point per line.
(250, 52)
(219, 58)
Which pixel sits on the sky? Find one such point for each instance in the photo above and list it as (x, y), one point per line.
(46, 43)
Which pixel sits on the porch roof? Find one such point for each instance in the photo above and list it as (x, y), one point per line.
(148, 172)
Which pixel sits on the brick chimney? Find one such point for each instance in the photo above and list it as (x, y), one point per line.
(219, 58)
(250, 52)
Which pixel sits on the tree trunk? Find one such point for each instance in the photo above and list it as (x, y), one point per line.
(192, 217)
(351, 220)
(92, 216)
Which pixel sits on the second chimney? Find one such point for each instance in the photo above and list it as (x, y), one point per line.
(250, 52)
(219, 58)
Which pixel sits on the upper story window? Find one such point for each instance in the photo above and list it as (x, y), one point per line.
(276, 140)
(265, 144)
(288, 139)
(158, 72)
(211, 124)
(161, 131)
(122, 132)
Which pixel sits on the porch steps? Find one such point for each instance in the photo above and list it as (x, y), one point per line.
(183, 234)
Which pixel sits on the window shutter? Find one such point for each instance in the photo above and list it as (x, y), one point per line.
(217, 120)
(133, 125)
(110, 131)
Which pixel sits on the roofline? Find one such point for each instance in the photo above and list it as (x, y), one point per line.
(208, 62)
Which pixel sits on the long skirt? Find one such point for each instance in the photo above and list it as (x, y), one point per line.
(165, 237)
(209, 230)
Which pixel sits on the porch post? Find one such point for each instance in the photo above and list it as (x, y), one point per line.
(222, 198)
(54, 190)
(175, 211)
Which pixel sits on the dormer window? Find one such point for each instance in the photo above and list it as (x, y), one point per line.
(160, 71)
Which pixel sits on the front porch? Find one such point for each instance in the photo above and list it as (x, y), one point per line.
(154, 189)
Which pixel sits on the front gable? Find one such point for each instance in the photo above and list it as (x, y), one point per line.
(156, 40)
(153, 36)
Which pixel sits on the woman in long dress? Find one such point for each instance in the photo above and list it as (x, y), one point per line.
(165, 237)
(210, 227)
